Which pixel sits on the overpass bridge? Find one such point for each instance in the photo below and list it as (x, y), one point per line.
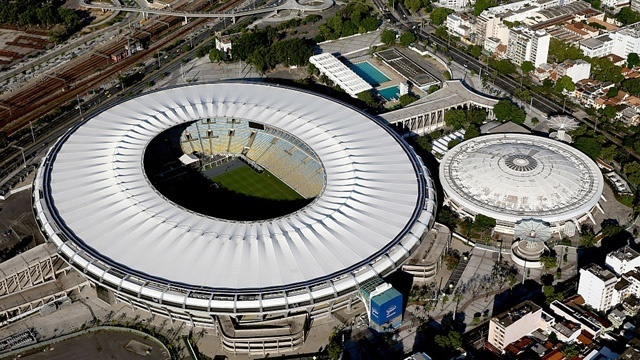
(309, 5)
(427, 114)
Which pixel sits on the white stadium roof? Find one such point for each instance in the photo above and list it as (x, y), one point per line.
(96, 204)
(518, 176)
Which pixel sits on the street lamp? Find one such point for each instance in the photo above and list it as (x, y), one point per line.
(24, 160)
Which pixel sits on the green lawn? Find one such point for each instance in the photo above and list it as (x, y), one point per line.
(249, 182)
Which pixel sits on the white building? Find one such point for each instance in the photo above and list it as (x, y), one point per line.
(614, 5)
(539, 178)
(597, 287)
(587, 322)
(528, 45)
(603, 289)
(597, 47)
(340, 74)
(575, 69)
(488, 26)
(224, 44)
(623, 260)
(517, 322)
(635, 5)
(456, 4)
(626, 40)
(459, 25)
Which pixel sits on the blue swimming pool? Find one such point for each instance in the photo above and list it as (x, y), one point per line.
(369, 73)
(390, 93)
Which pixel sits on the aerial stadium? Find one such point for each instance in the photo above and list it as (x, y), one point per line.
(364, 199)
(514, 178)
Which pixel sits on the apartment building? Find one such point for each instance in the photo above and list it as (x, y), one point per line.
(521, 320)
(528, 45)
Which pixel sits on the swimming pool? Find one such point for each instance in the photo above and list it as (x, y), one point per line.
(369, 73)
(390, 93)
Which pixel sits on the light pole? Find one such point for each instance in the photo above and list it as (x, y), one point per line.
(24, 160)
(33, 137)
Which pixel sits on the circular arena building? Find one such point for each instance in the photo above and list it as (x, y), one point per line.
(370, 199)
(517, 177)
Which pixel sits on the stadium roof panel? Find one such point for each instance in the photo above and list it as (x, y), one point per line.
(96, 194)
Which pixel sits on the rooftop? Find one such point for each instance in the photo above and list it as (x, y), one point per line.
(516, 313)
(624, 254)
(598, 271)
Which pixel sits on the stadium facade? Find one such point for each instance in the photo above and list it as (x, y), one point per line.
(93, 200)
(519, 177)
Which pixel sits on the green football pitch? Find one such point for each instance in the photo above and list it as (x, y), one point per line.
(249, 182)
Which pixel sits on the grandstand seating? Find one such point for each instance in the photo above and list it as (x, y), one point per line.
(285, 156)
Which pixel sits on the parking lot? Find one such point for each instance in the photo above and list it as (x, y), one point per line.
(101, 345)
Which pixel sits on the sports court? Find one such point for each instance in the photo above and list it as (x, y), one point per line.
(247, 181)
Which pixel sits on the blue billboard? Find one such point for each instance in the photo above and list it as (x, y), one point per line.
(387, 308)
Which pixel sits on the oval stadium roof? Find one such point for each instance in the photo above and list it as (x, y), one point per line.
(517, 176)
(97, 205)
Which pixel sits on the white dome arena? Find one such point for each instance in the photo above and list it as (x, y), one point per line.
(511, 177)
(93, 200)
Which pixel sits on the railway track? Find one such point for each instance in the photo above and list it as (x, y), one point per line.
(90, 70)
(9, 155)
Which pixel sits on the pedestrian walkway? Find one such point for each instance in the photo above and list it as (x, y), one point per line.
(457, 273)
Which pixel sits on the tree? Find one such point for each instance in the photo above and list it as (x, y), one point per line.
(627, 16)
(407, 99)
(482, 5)
(368, 98)
(483, 223)
(439, 15)
(424, 143)
(472, 131)
(388, 37)
(551, 295)
(451, 341)
(633, 59)
(475, 51)
(453, 143)
(587, 236)
(441, 32)
(608, 153)
(407, 38)
(504, 66)
(334, 348)
(589, 146)
(455, 118)
(447, 217)
(504, 110)
(612, 92)
(548, 262)
(608, 112)
(527, 67)
(561, 51)
(603, 69)
(611, 230)
(216, 55)
(632, 86)
(565, 83)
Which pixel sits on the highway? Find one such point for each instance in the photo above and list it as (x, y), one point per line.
(279, 5)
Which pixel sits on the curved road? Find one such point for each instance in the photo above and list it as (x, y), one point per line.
(284, 5)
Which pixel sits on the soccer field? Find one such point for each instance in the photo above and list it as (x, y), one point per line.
(249, 182)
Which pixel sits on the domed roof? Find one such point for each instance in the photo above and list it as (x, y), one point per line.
(515, 176)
